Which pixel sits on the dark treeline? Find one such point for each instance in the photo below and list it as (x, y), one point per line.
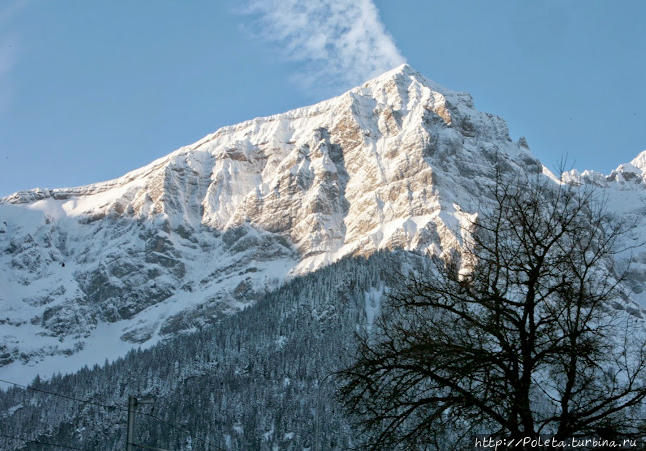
(257, 380)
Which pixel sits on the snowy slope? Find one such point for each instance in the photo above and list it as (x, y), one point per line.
(87, 273)
(624, 193)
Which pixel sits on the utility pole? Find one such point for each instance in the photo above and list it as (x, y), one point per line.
(132, 405)
(133, 402)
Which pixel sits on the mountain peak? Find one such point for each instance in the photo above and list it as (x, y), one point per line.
(640, 161)
(403, 74)
(395, 163)
(404, 69)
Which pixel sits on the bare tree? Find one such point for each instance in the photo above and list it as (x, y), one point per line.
(519, 335)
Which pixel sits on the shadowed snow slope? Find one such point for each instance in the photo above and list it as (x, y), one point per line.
(88, 273)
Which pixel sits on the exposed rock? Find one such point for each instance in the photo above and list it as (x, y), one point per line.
(395, 163)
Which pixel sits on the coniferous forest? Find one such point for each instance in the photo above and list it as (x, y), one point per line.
(260, 379)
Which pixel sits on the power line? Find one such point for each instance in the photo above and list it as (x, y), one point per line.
(111, 407)
(71, 398)
(26, 440)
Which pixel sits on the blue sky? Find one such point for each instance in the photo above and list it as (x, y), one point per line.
(91, 90)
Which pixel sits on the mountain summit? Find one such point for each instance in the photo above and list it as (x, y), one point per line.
(91, 272)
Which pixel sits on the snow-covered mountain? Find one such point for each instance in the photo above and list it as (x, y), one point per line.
(88, 273)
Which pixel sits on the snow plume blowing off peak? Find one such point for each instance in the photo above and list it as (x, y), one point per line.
(341, 42)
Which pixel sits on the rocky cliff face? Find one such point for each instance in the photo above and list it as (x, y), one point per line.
(87, 273)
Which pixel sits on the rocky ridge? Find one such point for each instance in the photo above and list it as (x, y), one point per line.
(399, 162)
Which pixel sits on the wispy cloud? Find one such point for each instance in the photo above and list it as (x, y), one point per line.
(340, 42)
